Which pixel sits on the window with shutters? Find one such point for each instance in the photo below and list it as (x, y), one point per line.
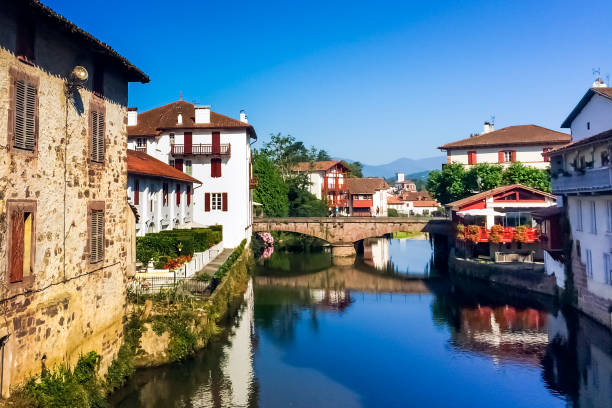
(178, 194)
(96, 232)
(215, 167)
(507, 156)
(97, 128)
(136, 192)
(26, 34)
(471, 157)
(23, 114)
(216, 201)
(188, 167)
(165, 194)
(21, 240)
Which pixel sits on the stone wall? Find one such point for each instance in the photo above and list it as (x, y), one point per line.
(594, 306)
(69, 306)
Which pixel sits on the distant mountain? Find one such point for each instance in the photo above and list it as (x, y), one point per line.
(408, 166)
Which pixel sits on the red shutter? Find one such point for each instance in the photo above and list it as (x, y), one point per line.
(188, 195)
(207, 202)
(216, 142)
(224, 201)
(514, 155)
(178, 194)
(215, 167)
(178, 164)
(136, 192)
(472, 157)
(16, 261)
(500, 156)
(188, 143)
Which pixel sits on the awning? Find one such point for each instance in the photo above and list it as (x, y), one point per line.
(482, 212)
(256, 203)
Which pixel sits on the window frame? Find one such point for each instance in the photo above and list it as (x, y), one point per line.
(91, 207)
(26, 206)
(593, 218)
(215, 167)
(14, 76)
(216, 201)
(608, 268)
(165, 193)
(98, 107)
(579, 224)
(589, 263)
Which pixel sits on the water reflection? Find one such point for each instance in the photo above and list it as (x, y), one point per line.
(406, 256)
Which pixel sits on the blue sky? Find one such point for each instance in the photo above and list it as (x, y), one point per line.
(369, 81)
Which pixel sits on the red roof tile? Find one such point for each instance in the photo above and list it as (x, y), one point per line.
(425, 203)
(152, 122)
(394, 200)
(317, 165)
(512, 136)
(142, 163)
(366, 185)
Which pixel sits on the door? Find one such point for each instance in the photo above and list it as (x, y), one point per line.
(188, 143)
(216, 142)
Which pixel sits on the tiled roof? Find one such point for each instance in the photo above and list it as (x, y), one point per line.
(152, 122)
(494, 191)
(367, 185)
(394, 200)
(603, 136)
(142, 163)
(605, 91)
(316, 166)
(511, 136)
(425, 203)
(91, 43)
(415, 195)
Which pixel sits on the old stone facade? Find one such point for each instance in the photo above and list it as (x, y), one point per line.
(60, 294)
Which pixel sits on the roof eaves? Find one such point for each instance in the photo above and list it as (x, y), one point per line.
(567, 123)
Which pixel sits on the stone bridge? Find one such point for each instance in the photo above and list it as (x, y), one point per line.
(343, 232)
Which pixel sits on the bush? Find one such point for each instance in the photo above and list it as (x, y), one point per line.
(166, 244)
(392, 212)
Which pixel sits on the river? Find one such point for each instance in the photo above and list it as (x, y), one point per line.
(390, 331)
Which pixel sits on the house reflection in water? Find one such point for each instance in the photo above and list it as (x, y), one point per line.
(406, 256)
(331, 299)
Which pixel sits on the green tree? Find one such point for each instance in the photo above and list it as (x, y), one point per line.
(271, 190)
(302, 203)
(483, 177)
(322, 155)
(355, 169)
(447, 185)
(518, 173)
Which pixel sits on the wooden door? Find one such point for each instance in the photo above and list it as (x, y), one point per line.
(188, 142)
(216, 142)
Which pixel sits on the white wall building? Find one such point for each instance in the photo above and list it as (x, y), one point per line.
(213, 148)
(368, 196)
(328, 180)
(524, 143)
(162, 195)
(582, 176)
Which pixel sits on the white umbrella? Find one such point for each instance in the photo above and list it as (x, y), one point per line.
(481, 211)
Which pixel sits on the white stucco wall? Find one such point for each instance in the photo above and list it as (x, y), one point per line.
(528, 155)
(597, 112)
(379, 200)
(599, 242)
(316, 179)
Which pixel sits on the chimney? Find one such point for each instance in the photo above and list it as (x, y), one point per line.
(599, 83)
(243, 116)
(132, 116)
(400, 177)
(488, 127)
(202, 114)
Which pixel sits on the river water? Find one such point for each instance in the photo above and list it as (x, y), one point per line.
(390, 331)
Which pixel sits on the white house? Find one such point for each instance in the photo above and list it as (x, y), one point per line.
(582, 177)
(327, 180)
(413, 203)
(368, 196)
(211, 147)
(523, 143)
(162, 195)
(403, 184)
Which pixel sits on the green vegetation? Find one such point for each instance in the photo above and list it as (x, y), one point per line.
(408, 234)
(392, 212)
(271, 190)
(355, 169)
(162, 246)
(229, 262)
(453, 182)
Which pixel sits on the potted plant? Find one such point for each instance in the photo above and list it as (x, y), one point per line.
(473, 233)
(497, 234)
(520, 234)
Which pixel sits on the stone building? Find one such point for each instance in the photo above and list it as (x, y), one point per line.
(64, 216)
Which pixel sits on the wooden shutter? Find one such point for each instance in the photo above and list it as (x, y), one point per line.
(215, 167)
(178, 164)
(178, 194)
(514, 155)
(188, 195)
(224, 201)
(207, 202)
(25, 115)
(500, 156)
(188, 143)
(97, 136)
(216, 142)
(17, 250)
(136, 192)
(472, 157)
(96, 237)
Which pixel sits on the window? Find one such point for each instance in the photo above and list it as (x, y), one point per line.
(593, 218)
(97, 134)
(24, 103)
(165, 194)
(578, 215)
(171, 163)
(98, 79)
(589, 264)
(136, 192)
(544, 155)
(188, 195)
(605, 158)
(26, 33)
(609, 207)
(215, 201)
(188, 167)
(215, 167)
(96, 232)
(588, 125)
(507, 156)
(471, 157)
(21, 240)
(140, 142)
(171, 138)
(608, 268)
(178, 194)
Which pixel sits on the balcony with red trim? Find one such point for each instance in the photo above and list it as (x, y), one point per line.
(201, 150)
(363, 203)
(331, 184)
(508, 234)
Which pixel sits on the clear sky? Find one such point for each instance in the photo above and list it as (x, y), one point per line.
(368, 81)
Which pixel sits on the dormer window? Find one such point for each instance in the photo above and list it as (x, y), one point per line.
(179, 120)
(588, 125)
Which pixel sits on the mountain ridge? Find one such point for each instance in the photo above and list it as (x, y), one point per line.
(403, 164)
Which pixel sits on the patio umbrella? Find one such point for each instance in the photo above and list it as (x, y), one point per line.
(482, 212)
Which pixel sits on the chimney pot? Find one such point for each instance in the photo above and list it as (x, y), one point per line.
(243, 117)
(488, 127)
(599, 83)
(202, 114)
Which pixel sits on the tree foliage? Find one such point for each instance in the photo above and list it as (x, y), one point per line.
(453, 182)
(271, 190)
(355, 169)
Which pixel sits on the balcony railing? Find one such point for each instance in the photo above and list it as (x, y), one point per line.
(201, 150)
(583, 181)
(333, 184)
(338, 202)
(142, 149)
(508, 235)
(362, 203)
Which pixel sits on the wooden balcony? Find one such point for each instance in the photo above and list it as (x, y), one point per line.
(142, 149)
(508, 235)
(201, 150)
(362, 203)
